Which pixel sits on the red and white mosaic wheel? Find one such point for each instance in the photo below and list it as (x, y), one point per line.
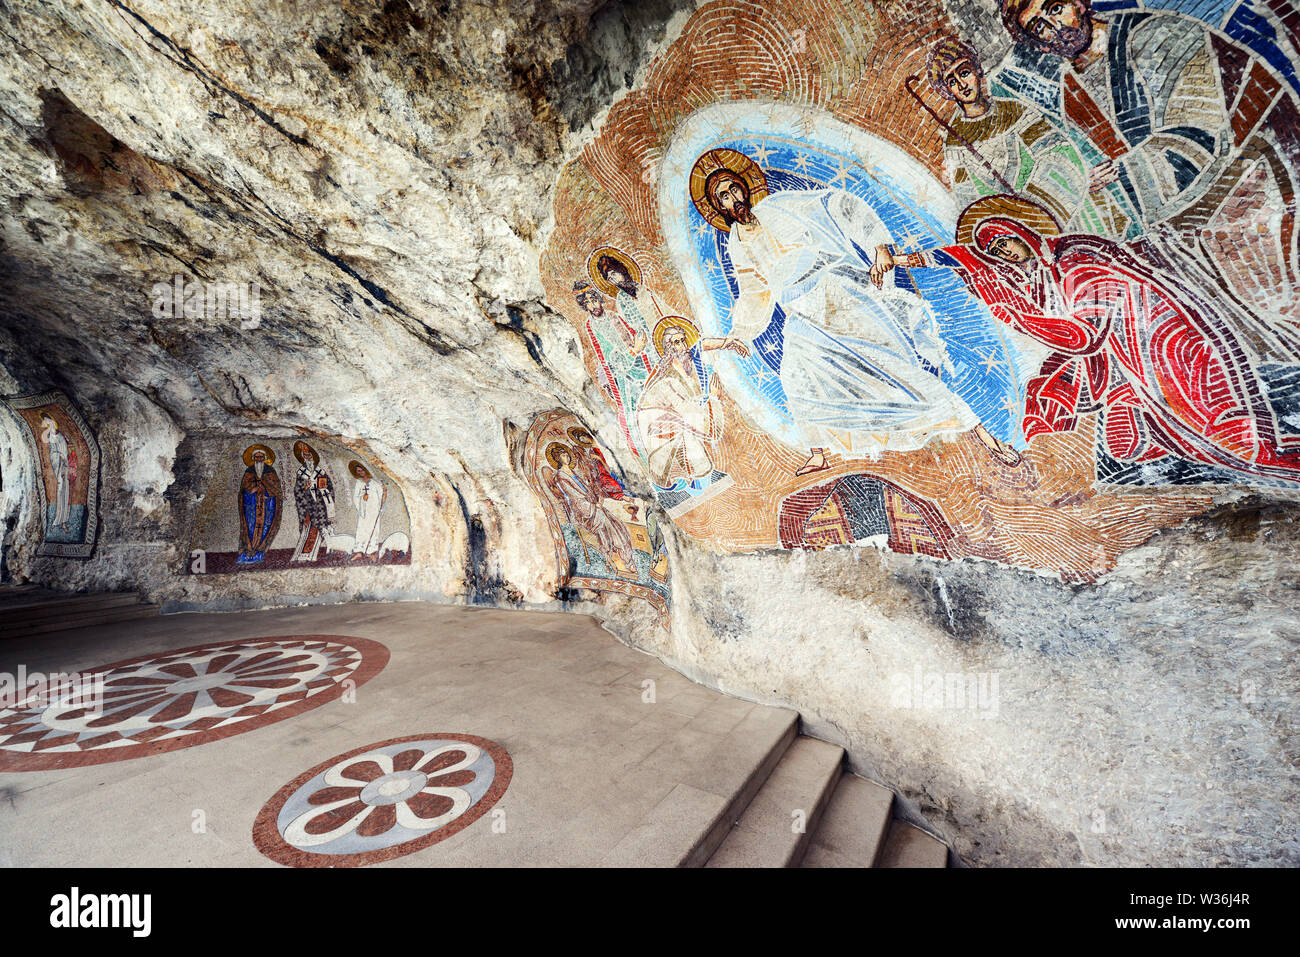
(383, 800)
(179, 699)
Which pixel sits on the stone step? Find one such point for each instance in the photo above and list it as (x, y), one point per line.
(23, 612)
(83, 619)
(12, 595)
(853, 826)
(713, 786)
(766, 835)
(909, 846)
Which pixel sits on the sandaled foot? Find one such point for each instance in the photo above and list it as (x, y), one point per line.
(997, 448)
(816, 463)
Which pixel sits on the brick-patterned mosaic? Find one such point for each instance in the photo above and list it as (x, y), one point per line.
(1008, 279)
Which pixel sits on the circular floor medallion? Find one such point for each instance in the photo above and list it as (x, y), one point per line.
(178, 699)
(383, 800)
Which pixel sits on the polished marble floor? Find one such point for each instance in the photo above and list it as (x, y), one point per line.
(404, 734)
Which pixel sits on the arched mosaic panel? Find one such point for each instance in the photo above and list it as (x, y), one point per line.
(67, 473)
(298, 503)
(603, 536)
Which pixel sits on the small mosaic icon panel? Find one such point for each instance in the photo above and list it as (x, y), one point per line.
(303, 503)
(604, 537)
(66, 483)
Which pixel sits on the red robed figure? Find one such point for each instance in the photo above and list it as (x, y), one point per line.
(1166, 367)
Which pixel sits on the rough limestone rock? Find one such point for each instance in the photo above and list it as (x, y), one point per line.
(384, 173)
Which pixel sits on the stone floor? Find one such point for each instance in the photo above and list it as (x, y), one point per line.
(530, 741)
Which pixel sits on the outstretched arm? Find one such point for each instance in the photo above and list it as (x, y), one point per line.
(730, 342)
(887, 259)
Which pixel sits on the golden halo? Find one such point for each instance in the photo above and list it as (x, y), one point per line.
(553, 454)
(738, 163)
(626, 261)
(301, 457)
(675, 322)
(1026, 213)
(354, 466)
(579, 435)
(248, 454)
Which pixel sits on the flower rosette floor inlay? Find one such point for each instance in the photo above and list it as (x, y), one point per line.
(178, 699)
(383, 800)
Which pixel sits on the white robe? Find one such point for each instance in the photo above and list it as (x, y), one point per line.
(368, 499)
(859, 364)
(58, 446)
(678, 422)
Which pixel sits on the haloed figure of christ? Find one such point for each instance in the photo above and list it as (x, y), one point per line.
(860, 364)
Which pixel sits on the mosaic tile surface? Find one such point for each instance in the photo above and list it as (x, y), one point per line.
(1026, 269)
(280, 504)
(604, 537)
(180, 699)
(67, 487)
(383, 800)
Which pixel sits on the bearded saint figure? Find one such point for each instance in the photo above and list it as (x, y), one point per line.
(1162, 360)
(259, 505)
(678, 417)
(1186, 116)
(859, 363)
(620, 352)
(313, 495)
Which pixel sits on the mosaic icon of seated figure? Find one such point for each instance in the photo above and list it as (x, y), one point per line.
(595, 525)
(592, 465)
(678, 415)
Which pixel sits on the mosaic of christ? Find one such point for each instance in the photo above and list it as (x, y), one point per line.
(940, 276)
